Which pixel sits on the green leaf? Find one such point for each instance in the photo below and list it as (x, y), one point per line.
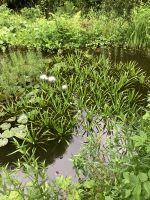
(139, 140)
(146, 186)
(5, 126)
(22, 119)
(143, 177)
(3, 141)
(137, 192)
(20, 131)
(2, 114)
(7, 134)
(149, 173)
(108, 198)
(11, 119)
(128, 193)
(146, 116)
(148, 149)
(1, 180)
(134, 180)
(126, 177)
(89, 184)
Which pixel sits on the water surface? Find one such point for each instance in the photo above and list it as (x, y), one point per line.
(57, 155)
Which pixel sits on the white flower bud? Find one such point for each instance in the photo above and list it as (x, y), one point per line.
(51, 79)
(43, 77)
(64, 87)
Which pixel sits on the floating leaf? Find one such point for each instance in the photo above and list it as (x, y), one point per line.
(2, 114)
(5, 126)
(3, 141)
(22, 119)
(11, 119)
(20, 131)
(7, 134)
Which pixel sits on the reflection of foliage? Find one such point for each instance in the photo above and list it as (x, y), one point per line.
(17, 71)
(120, 167)
(102, 94)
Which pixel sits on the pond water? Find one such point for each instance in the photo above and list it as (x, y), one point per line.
(57, 155)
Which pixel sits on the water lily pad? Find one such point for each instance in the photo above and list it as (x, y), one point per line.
(3, 141)
(20, 131)
(2, 114)
(22, 119)
(11, 119)
(7, 134)
(5, 126)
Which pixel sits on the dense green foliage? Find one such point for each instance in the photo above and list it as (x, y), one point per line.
(51, 111)
(119, 168)
(53, 5)
(115, 166)
(30, 29)
(47, 97)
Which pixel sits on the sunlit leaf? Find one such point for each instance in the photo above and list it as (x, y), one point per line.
(146, 186)
(11, 119)
(5, 126)
(7, 134)
(3, 141)
(143, 177)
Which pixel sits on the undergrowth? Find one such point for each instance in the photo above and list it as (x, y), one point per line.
(29, 29)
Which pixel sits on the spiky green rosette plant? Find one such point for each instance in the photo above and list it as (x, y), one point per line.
(71, 84)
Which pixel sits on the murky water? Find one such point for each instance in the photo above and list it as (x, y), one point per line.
(57, 155)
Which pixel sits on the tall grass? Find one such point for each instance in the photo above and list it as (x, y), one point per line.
(139, 30)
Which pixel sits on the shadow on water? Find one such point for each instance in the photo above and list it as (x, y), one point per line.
(51, 151)
(142, 60)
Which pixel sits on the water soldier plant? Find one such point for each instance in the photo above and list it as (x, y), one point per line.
(117, 168)
(71, 91)
(47, 99)
(50, 104)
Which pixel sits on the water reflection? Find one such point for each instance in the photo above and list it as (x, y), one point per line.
(57, 154)
(51, 151)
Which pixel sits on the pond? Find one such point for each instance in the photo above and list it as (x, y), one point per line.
(57, 154)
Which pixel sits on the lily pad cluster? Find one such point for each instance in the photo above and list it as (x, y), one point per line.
(18, 131)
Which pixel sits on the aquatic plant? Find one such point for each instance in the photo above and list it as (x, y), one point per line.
(79, 82)
(117, 161)
(17, 71)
